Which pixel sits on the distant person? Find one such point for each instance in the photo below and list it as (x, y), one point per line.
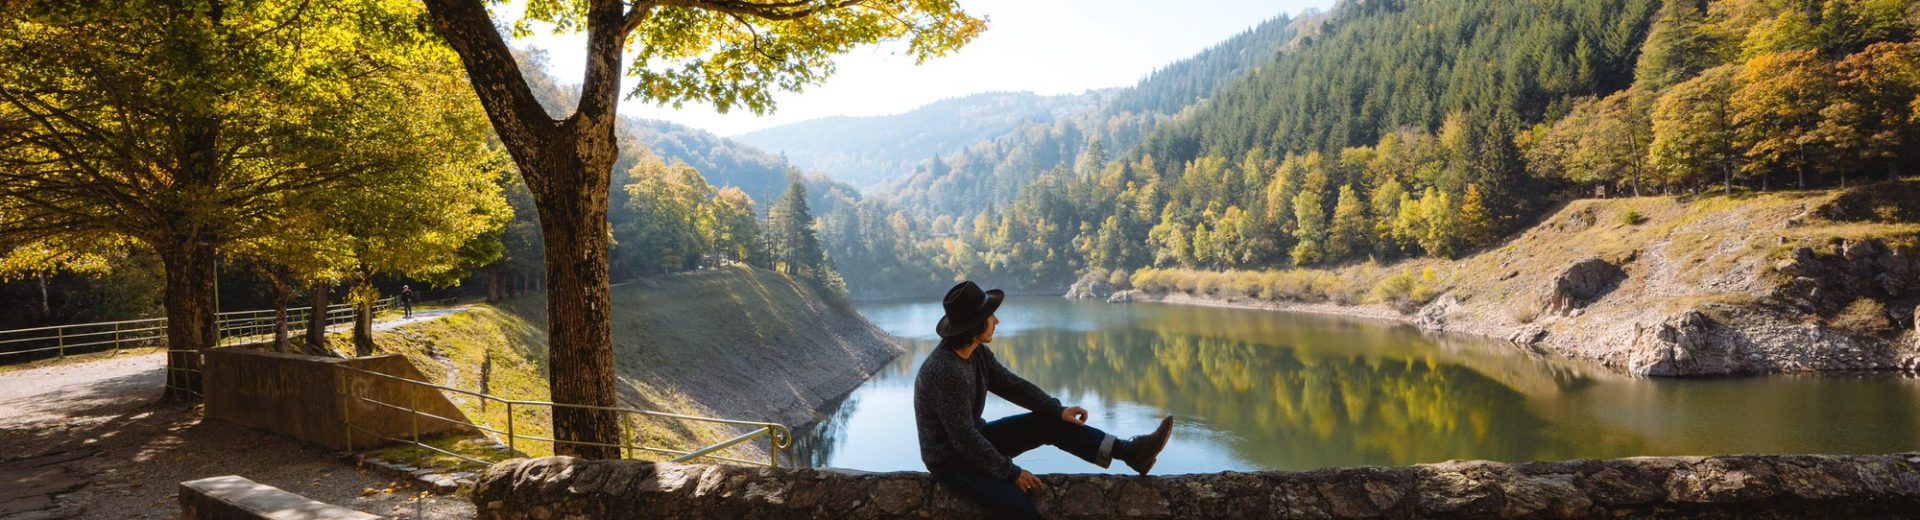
(974, 458)
(406, 301)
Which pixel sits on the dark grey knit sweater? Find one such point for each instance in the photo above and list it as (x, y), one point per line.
(948, 396)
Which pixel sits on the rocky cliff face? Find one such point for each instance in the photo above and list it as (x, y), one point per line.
(1582, 283)
(1091, 285)
(1663, 286)
(1755, 288)
(1772, 486)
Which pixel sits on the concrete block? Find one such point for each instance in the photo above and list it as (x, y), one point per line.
(235, 498)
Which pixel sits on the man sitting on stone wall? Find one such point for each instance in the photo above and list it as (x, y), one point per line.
(974, 458)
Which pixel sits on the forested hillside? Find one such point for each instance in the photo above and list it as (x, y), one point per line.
(991, 173)
(865, 151)
(1405, 128)
(682, 197)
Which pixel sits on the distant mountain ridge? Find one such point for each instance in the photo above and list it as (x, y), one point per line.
(992, 172)
(880, 154)
(866, 150)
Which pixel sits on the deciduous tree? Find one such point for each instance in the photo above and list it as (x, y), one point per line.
(1693, 135)
(728, 53)
(1776, 110)
(184, 127)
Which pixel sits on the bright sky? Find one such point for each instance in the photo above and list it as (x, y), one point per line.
(1042, 46)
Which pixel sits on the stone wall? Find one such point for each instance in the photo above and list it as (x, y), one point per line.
(1767, 486)
(299, 396)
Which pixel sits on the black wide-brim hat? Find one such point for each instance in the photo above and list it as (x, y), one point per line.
(967, 307)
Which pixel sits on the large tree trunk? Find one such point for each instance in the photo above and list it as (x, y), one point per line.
(363, 298)
(190, 314)
(579, 321)
(281, 295)
(493, 284)
(277, 281)
(566, 164)
(1800, 170)
(317, 320)
(46, 303)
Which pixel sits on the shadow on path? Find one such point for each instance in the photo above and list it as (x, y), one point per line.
(90, 440)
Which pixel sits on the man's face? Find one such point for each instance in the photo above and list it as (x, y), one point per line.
(986, 336)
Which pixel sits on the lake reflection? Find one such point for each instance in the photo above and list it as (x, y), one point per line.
(1269, 390)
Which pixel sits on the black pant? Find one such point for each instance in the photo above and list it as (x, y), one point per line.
(1012, 436)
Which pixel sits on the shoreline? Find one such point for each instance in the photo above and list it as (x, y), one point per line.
(1530, 339)
(1368, 312)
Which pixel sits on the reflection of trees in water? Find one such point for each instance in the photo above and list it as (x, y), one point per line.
(1294, 407)
(1531, 373)
(1289, 391)
(813, 446)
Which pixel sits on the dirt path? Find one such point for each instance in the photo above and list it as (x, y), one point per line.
(88, 440)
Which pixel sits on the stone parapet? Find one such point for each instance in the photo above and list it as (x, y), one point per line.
(1742, 486)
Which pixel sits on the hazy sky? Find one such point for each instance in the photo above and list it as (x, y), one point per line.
(1044, 46)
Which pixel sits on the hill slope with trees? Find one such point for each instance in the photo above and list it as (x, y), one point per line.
(1404, 129)
(866, 151)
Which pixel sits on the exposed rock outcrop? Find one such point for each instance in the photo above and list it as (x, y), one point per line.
(1740, 486)
(1581, 283)
(1091, 285)
(1789, 282)
(1824, 284)
(1127, 296)
(1681, 345)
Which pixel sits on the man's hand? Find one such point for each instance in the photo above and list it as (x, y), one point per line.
(1027, 482)
(1074, 415)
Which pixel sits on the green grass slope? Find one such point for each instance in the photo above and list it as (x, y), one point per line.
(733, 343)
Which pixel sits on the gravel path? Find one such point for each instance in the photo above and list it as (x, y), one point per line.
(89, 440)
(418, 316)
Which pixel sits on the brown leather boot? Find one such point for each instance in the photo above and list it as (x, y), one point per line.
(1142, 451)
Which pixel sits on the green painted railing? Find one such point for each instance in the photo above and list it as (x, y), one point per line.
(779, 437)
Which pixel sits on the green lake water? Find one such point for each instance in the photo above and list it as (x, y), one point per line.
(1253, 390)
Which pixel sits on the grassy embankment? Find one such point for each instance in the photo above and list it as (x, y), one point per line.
(723, 343)
(1701, 244)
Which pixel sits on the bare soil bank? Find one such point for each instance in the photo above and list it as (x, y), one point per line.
(1659, 286)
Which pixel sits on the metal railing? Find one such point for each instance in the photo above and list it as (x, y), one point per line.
(242, 327)
(84, 337)
(233, 328)
(779, 437)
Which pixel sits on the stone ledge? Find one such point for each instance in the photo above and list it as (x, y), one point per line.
(1745, 486)
(237, 498)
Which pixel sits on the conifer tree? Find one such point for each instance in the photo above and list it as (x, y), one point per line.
(1311, 236)
(794, 246)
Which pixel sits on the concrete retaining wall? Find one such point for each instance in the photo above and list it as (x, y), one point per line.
(1741, 486)
(300, 396)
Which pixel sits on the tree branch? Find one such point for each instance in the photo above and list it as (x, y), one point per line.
(770, 11)
(517, 115)
(600, 91)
